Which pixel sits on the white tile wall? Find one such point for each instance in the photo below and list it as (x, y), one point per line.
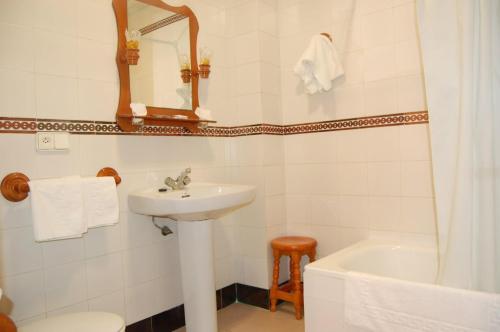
(59, 62)
(65, 285)
(17, 92)
(327, 185)
(379, 49)
(109, 267)
(368, 186)
(348, 185)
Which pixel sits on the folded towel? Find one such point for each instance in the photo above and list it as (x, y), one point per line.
(391, 305)
(57, 208)
(100, 200)
(319, 65)
(203, 113)
(138, 109)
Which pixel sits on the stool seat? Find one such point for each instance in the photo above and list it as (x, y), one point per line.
(295, 247)
(298, 243)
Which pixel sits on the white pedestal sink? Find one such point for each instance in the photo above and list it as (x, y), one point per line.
(194, 207)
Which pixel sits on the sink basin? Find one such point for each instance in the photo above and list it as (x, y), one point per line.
(198, 201)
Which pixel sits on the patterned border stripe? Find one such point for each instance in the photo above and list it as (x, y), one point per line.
(31, 126)
(18, 125)
(358, 123)
(160, 24)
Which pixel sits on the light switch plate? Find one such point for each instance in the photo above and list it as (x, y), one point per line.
(45, 141)
(61, 141)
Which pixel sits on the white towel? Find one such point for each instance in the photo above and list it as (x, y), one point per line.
(391, 305)
(100, 201)
(57, 208)
(319, 65)
(138, 109)
(203, 113)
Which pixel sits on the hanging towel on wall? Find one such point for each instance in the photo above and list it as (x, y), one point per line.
(100, 201)
(57, 208)
(390, 305)
(319, 65)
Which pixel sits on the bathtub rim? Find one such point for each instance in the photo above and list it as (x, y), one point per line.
(333, 261)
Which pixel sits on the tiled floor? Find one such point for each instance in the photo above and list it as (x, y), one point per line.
(240, 317)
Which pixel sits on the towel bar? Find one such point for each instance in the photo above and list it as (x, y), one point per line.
(15, 186)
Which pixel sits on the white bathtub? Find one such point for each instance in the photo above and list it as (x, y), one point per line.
(324, 279)
(382, 258)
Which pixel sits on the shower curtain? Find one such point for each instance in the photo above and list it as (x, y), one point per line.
(460, 42)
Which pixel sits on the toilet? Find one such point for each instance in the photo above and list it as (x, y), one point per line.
(74, 322)
(78, 322)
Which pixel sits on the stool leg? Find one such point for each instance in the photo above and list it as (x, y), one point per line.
(296, 287)
(312, 255)
(276, 275)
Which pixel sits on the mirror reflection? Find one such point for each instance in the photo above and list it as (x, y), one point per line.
(164, 50)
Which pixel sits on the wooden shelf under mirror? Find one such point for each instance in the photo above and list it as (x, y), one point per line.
(159, 26)
(192, 125)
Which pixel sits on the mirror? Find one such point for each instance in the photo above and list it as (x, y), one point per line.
(164, 48)
(156, 41)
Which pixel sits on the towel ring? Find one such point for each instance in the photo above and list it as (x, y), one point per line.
(15, 186)
(327, 35)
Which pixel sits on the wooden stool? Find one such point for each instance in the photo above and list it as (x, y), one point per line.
(295, 247)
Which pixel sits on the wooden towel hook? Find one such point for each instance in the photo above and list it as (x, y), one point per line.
(327, 35)
(15, 186)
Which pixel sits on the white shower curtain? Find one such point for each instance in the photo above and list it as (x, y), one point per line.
(461, 54)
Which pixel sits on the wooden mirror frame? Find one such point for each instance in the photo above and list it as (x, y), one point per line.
(156, 116)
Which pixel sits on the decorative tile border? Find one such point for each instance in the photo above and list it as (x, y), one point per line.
(162, 23)
(78, 127)
(358, 123)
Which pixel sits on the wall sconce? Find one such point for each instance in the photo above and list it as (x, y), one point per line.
(205, 58)
(185, 68)
(132, 51)
(203, 68)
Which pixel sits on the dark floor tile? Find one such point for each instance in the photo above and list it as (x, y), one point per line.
(228, 295)
(174, 318)
(252, 295)
(141, 326)
(218, 297)
(169, 320)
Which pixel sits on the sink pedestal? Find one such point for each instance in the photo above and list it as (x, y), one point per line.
(198, 276)
(201, 202)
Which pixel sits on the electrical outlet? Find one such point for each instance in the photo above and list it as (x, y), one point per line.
(45, 141)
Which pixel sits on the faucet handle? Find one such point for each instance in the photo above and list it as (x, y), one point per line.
(186, 180)
(170, 182)
(187, 170)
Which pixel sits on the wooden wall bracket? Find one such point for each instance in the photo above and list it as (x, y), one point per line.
(109, 171)
(15, 187)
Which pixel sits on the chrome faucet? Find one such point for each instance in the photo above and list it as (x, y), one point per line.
(181, 181)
